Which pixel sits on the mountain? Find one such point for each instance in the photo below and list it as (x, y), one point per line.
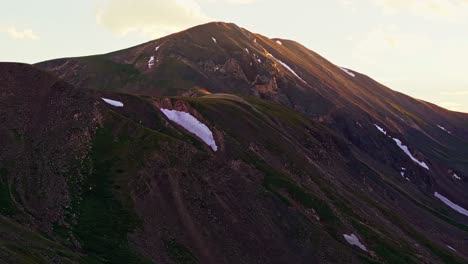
(218, 145)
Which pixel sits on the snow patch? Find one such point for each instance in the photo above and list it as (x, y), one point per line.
(348, 72)
(444, 129)
(407, 152)
(291, 70)
(214, 40)
(247, 50)
(113, 102)
(287, 67)
(451, 248)
(151, 62)
(354, 240)
(156, 49)
(450, 204)
(380, 129)
(403, 174)
(454, 175)
(257, 58)
(189, 122)
(279, 42)
(404, 148)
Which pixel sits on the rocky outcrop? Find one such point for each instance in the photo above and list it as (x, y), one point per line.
(233, 69)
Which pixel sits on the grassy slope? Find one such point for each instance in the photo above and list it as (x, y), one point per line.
(389, 249)
(105, 208)
(24, 246)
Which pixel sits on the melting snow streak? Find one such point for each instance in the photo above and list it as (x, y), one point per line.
(407, 152)
(279, 42)
(444, 129)
(113, 102)
(451, 248)
(348, 72)
(194, 126)
(404, 148)
(380, 129)
(291, 70)
(214, 40)
(353, 240)
(288, 68)
(449, 203)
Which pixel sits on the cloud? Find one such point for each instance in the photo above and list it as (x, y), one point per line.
(450, 105)
(382, 43)
(154, 18)
(455, 93)
(25, 34)
(349, 5)
(426, 8)
(240, 1)
(235, 2)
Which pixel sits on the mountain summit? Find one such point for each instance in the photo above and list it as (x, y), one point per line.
(219, 145)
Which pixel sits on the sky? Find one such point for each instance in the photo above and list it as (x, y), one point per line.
(418, 47)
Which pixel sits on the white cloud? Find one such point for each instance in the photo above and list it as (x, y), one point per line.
(240, 1)
(450, 105)
(25, 34)
(154, 18)
(349, 5)
(427, 8)
(382, 43)
(455, 93)
(236, 2)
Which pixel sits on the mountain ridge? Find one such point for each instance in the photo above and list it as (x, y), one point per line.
(313, 162)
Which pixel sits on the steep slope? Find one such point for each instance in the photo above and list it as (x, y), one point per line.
(117, 181)
(223, 58)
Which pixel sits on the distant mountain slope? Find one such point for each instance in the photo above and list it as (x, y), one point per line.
(312, 164)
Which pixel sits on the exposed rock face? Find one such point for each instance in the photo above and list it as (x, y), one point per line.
(233, 68)
(266, 88)
(208, 65)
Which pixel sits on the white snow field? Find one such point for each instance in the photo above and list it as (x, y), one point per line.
(407, 152)
(113, 102)
(354, 240)
(189, 122)
(449, 203)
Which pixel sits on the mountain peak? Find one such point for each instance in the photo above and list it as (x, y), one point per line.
(215, 25)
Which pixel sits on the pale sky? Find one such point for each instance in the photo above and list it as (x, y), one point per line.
(418, 47)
